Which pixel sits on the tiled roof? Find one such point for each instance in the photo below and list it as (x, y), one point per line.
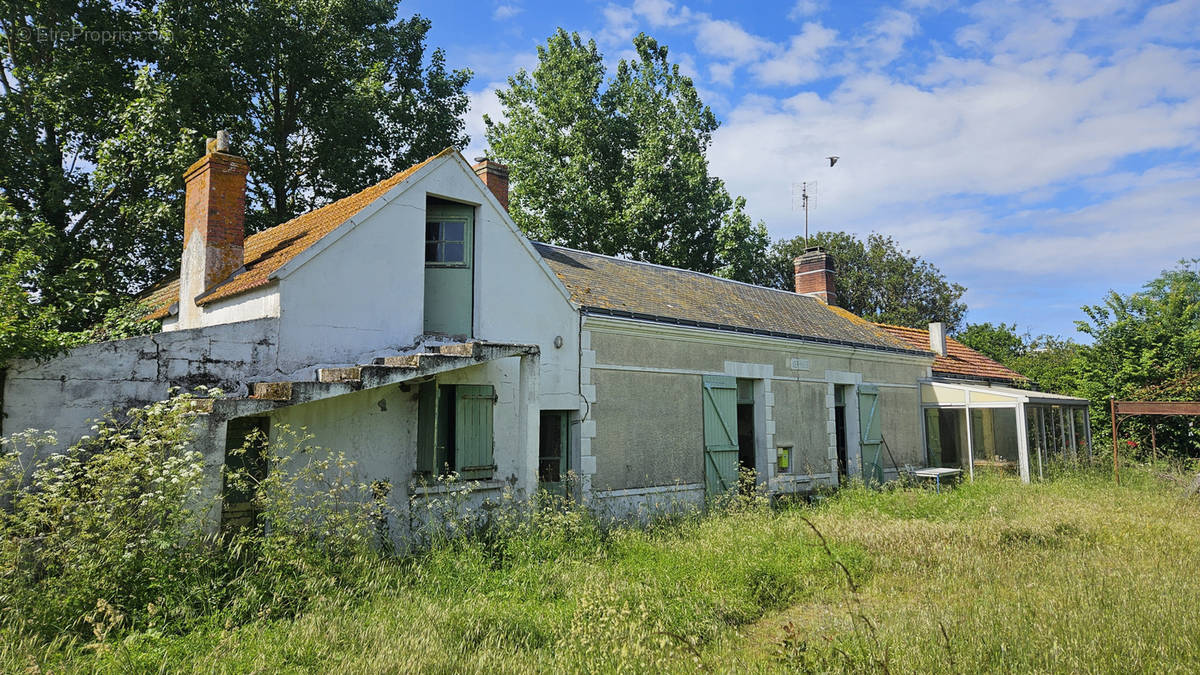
(960, 360)
(619, 287)
(270, 249)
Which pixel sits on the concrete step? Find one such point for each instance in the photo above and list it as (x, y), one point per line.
(352, 374)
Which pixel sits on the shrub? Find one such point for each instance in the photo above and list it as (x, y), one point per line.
(109, 532)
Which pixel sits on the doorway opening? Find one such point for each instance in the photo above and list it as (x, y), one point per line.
(554, 452)
(745, 425)
(839, 425)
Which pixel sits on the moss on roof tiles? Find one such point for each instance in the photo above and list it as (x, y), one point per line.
(267, 251)
(625, 286)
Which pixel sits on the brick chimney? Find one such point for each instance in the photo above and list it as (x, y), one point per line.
(213, 224)
(814, 275)
(937, 338)
(495, 176)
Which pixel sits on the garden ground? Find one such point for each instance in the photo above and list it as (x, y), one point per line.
(1073, 574)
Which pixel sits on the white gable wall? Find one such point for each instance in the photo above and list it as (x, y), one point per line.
(517, 299)
(361, 294)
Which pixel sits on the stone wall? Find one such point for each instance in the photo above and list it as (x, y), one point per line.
(67, 392)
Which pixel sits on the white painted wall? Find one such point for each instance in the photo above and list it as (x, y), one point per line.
(66, 393)
(358, 293)
(361, 294)
(259, 303)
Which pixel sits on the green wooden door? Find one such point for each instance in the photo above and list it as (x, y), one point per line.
(720, 435)
(870, 435)
(449, 269)
(473, 430)
(427, 430)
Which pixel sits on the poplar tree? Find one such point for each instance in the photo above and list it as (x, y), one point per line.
(615, 165)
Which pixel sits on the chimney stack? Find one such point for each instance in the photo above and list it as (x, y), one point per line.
(495, 176)
(937, 338)
(814, 275)
(213, 224)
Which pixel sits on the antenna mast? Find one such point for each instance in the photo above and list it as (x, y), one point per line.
(804, 199)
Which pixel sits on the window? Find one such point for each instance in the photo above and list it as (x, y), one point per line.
(446, 242)
(454, 430)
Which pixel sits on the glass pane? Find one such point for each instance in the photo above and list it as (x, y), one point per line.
(452, 252)
(946, 436)
(1080, 416)
(453, 231)
(431, 231)
(431, 253)
(994, 435)
(550, 450)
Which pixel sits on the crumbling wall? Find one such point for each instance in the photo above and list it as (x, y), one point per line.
(67, 392)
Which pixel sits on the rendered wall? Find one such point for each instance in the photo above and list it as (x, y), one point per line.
(646, 447)
(377, 430)
(65, 393)
(647, 362)
(362, 296)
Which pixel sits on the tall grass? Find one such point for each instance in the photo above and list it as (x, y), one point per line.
(1072, 574)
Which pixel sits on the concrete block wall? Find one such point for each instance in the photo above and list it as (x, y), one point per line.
(67, 392)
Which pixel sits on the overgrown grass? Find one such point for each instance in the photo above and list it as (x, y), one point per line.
(1072, 574)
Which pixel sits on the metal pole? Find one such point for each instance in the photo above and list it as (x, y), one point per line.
(804, 198)
(1153, 443)
(1112, 408)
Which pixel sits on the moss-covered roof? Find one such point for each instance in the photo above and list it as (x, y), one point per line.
(606, 285)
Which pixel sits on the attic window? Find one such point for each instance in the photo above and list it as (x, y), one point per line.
(446, 242)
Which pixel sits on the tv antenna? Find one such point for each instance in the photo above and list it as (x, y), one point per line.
(804, 197)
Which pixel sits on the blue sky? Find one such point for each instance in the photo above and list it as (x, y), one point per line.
(1039, 153)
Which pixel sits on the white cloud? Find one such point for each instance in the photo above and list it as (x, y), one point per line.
(483, 102)
(506, 11)
(807, 8)
(888, 36)
(728, 40)
(618, 25)
(800, 62)
(661, 13)
(923, 160)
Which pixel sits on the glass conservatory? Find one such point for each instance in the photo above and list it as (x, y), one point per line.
(977, 427)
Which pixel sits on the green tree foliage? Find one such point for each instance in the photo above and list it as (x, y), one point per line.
(876, 279)
(742, 247)
(1047, 361)
(999, 342)
(30, 326)
(1147, 346)
(323, 99)
(616, 165)
(1050, 363)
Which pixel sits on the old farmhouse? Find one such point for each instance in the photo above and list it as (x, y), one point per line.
(415, 327)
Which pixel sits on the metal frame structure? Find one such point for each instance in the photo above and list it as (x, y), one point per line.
(1119, 410)
(1030, 451)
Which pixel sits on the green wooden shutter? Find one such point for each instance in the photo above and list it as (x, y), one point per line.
(473, 430)
(871, 437)
(720, 434)
(427, 418)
